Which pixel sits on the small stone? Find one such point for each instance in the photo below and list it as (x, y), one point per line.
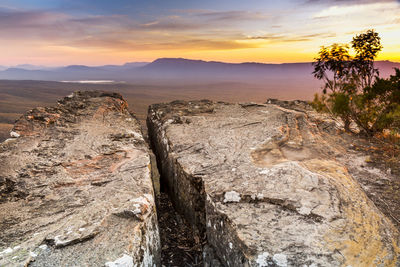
(14, 134)
(280, 260)
(262, 259)
(304, 210)
(43, 247)
(6, 251)
(124, 261)
(231, 196)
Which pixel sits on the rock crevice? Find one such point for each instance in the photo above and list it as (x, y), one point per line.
(266, 186)
(260, 185)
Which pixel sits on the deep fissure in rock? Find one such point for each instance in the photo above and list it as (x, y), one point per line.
(185, 191)
(181, 245)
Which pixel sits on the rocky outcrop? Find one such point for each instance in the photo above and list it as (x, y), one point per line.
(266, 186)
(76, 189)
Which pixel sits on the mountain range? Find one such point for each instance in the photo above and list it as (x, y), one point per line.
(173, 69)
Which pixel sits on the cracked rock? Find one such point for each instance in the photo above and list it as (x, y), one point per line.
(64, 181)
(265, 188)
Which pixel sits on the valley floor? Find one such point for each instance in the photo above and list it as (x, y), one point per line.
(16, 97)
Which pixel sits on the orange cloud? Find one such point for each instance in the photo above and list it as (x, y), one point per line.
(292, 35)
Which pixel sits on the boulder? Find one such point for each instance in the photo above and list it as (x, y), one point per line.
(76, 188)
(262, 185)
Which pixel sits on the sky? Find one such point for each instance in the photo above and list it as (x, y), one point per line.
(98, 32)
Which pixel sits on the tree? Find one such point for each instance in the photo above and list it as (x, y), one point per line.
(332, 66)
(366, 46)
(347, 80)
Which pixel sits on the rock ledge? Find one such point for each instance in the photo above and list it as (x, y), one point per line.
(76, 189)
(264, 185)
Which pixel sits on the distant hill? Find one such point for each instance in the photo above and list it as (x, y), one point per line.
(386, 67)
(175, 69)
(199, 68)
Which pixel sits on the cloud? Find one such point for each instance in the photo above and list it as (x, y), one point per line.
(203, 44)
(348, 2)
(10, 18)
(183, 43)
(192, 29)
(203, 19)
(232, 16)
(171, 23)
(286, 38)
(337, 10)
(111, 20)
(229, 15)
(121, 32)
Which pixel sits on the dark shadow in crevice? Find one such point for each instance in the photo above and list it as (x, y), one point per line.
(180, 245)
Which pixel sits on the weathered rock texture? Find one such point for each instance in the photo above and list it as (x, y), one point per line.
(76, 187)
(264, 184)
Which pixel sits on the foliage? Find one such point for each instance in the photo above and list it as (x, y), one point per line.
(383, 99)
(366, 46)
(341, 106)
(332, 66)
(319, 103)
(352, 88)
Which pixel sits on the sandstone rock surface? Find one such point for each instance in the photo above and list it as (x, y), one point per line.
(76, 189)
(267, 187)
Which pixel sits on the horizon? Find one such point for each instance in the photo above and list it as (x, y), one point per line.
(20, 65)
(61, 33)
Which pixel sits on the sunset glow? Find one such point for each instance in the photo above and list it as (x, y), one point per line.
(61, 32)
